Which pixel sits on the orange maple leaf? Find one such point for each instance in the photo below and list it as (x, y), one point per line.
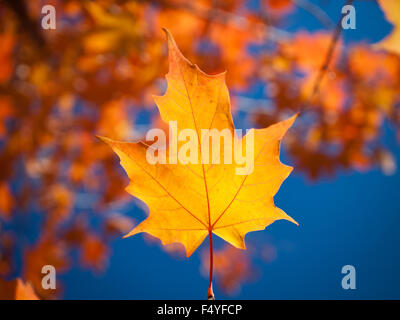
(188, 202)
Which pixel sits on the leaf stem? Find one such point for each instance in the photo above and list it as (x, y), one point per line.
(210, 293)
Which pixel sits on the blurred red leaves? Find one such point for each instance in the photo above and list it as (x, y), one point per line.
(6, 201)
(94, 252)
(344, 120)
(232, 267)
(6, 49)
(96, 72)
(47, 251)
(16, 290)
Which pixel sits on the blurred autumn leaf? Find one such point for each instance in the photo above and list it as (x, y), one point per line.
(391, 8)
(232, 268)
(16, 290)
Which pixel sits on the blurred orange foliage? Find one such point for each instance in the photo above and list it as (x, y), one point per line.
(16, 290)
(232, 268)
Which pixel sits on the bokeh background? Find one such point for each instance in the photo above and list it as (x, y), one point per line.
(62, 198)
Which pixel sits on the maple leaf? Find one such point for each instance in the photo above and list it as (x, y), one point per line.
(187, 202)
